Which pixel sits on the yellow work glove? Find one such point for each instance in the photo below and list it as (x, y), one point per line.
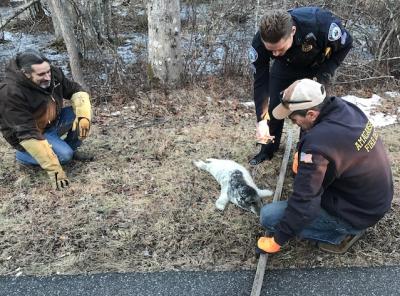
(83, 113)
(268, 245)
(41, 151)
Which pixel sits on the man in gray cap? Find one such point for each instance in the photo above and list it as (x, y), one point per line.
(344, 181)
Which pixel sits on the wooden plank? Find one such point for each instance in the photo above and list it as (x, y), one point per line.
(282, 173)
(259, 277)
(262, 261)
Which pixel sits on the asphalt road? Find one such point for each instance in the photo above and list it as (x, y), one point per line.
(321, 282)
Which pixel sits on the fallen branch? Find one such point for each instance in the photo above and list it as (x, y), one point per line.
(148, 124)
(391, 59)
(17, 12)
(365, 62)
(364, 79)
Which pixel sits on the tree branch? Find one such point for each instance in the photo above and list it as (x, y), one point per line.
(363, 79)
(17, 12)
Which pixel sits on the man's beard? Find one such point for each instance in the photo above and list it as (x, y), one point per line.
(45, 84)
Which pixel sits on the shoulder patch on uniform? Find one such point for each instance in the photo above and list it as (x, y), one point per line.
(334, 32)
(253, 54)
(306, 157)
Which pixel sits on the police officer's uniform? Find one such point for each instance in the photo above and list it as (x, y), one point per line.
(320, 44)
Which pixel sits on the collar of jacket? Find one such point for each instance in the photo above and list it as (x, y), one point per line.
(298, 35)
(326, 109)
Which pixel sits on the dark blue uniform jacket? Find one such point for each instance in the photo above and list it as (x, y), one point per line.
(316, 30)
(343, 168)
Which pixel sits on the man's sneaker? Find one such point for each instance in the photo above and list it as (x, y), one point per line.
(83, 156)
(343, 246)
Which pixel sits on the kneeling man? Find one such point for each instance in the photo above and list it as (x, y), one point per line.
(33, 119)
(344, 182)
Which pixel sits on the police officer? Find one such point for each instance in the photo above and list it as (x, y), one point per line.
(307, 42)
(344, 181)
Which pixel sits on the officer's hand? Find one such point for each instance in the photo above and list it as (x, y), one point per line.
(58, 179)
(268, 245)
(262, 132)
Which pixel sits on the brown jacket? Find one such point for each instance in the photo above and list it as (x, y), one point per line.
(26, 109)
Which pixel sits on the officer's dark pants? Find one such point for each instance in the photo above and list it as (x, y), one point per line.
(281, 76)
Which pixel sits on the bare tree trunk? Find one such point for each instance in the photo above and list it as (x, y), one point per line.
(93, 24)
(69, 39)
(56, 23)
(69, 14)
(164, 48)
(256, 25)
(100, 11)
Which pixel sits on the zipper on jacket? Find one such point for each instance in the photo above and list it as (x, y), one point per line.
(56, 106)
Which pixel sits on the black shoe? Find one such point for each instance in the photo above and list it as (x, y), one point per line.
(266, 153)
(83, 156)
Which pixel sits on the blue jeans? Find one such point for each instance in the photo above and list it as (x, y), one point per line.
(64, 149)
(325, 228)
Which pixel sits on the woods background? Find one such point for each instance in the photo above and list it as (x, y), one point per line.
(184, 41)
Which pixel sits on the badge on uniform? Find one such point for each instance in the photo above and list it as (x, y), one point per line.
(306, 157)
(253, 55)
(334, 32)
(309, 41)
(306, 47)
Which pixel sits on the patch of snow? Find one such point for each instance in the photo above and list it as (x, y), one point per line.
(364, 104)
(393, 94)
(122, 12)
(368, 106)
(132, 48)
(116, 113)
(21, 41)
(103, 76)
(248, 104)
(380, 119)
